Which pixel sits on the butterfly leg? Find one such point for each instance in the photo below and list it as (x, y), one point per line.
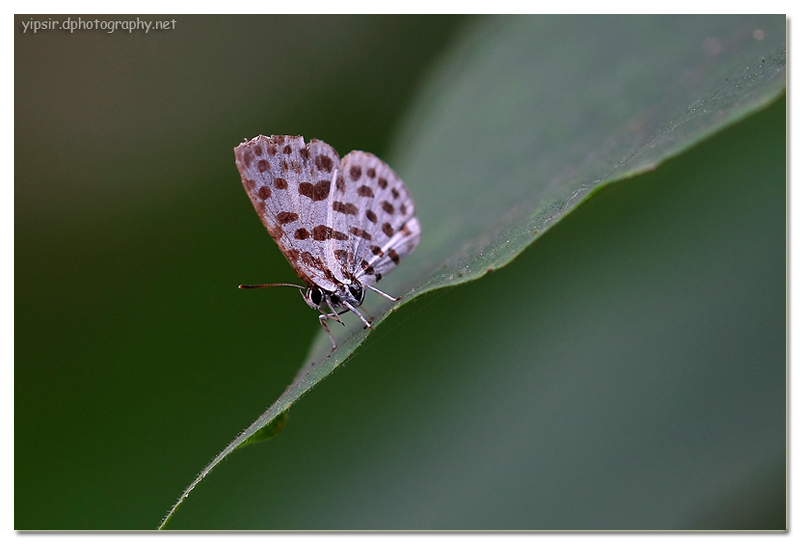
(369, 315)
(335, 315)
(381, 293)
(361, 317)
(322, 318)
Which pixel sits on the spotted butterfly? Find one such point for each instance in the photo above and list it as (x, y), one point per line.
(341, 224)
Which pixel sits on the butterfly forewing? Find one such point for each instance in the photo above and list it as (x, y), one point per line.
(289, 185)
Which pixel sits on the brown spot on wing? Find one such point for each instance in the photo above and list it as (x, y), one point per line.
(249, 184)
(382, 183)
(272, 149)
(286, 217)
(371, 173)
(309, 260)
(258, 151)
(345, 208)
(367, 268)
(263, 166)
(395, 193)
(247, 158)
(376, 250)
(371, 216)
(260, 207)
(301, 234)
(324, 163)
(281, 183)
(264, 192)
(355, 173)
(394, 256)
(360, 232)
(315, 191)
(296, 168)
(365, 191)
(324, 232)
(304, 153)
(284, 166)
(340, 185)
(387, 229)
(387, 207)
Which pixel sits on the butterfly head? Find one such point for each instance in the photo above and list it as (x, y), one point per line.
(352, 294)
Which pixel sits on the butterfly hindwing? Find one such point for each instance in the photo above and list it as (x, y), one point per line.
(385, 226)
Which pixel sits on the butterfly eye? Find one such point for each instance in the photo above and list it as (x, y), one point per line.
(316, 295)
(356, 291)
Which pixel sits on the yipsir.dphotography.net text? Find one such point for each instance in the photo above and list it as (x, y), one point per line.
(109, 26)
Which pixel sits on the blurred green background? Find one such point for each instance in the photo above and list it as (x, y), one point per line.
(626, 372)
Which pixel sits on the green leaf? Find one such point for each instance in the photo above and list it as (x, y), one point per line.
(526, 118)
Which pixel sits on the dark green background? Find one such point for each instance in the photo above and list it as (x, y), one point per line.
(626, 372)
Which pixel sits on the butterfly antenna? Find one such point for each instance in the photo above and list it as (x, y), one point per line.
(271, 285)
(381, 293)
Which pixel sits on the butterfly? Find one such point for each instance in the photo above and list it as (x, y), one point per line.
(341, 224)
